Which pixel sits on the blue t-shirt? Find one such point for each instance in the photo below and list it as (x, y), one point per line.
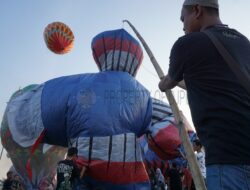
(220, 106)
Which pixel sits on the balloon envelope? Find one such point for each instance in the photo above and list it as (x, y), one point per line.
(58, 37)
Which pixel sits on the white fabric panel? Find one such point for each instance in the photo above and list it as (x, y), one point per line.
(117, 153)
(160, 110)
(24, 116)
(116, 58)
(100, 148)
(130, 151)
(82, 143)
(160, 125)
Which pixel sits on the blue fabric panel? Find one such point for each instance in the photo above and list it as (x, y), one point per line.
(54, 107)
(109, 103)
(101, 104)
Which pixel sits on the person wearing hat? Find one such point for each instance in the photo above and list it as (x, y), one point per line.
(219, 102)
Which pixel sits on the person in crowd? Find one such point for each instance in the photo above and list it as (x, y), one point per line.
(174, 178)
(200, 155)
(67, 171)
(160, 180)
(7, 182)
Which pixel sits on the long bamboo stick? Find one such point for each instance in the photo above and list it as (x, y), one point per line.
(195, 170)
(1, 153)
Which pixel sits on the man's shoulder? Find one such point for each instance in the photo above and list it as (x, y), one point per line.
(191, 41)
(65, 161)
(61, 161)
(191, 37)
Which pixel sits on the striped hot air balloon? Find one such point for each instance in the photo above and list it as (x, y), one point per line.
(58, 37)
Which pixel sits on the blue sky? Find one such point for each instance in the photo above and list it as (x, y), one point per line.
(25, 58)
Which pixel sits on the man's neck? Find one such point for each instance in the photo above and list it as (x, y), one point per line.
(211, 21)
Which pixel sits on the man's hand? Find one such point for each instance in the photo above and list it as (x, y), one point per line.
(166, 83)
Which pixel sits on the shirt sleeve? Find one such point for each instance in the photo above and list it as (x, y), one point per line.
(177, 58)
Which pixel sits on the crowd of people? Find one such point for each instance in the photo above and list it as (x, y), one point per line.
(177, 177)
(173, 178)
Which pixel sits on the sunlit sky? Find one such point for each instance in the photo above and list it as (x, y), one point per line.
(25, 59)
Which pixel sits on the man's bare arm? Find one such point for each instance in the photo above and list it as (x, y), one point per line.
(167, 83)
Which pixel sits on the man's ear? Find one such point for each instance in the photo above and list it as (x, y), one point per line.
(198, 11)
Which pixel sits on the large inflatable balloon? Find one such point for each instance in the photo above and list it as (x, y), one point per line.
(58, 37)
(102, 114)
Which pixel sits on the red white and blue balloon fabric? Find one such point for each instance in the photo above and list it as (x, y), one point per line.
(163, 137)
(103, 114)
(162, 145)
(117, 50)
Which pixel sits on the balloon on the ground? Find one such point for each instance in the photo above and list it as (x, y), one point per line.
(58, 37)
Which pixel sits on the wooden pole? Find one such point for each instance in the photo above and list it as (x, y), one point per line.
(1, 153)
(195, 170)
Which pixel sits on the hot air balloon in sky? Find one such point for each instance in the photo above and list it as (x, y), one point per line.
(58, 37)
